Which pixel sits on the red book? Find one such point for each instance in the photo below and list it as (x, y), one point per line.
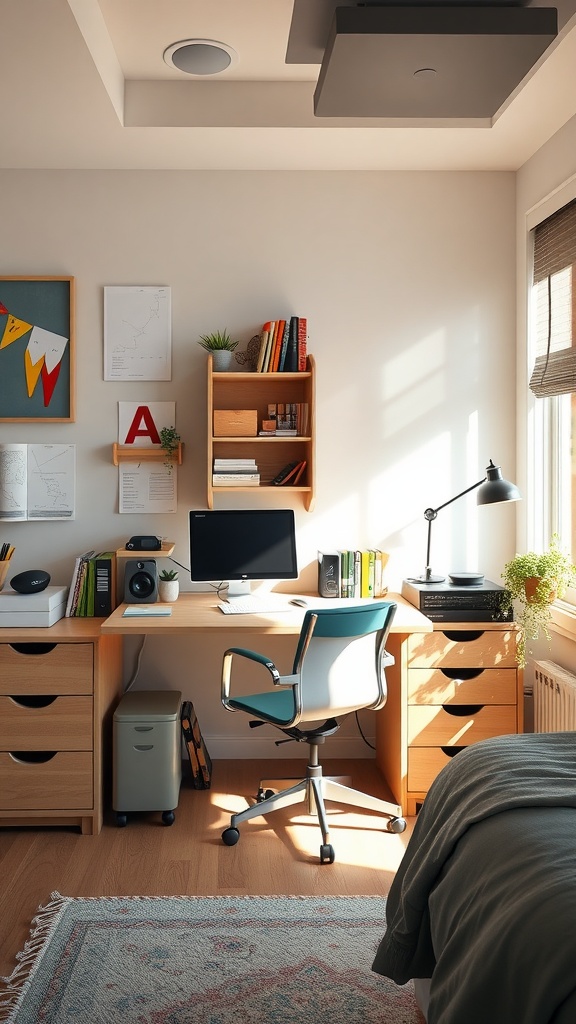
(302, 335)
(278, 336)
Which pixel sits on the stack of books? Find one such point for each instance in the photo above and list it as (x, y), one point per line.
(93, 585)
(285, 419)
(361, 573)
(235, 472)
(283, 346)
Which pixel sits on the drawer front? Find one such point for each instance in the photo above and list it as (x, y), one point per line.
(44, 668)
(462, 686)
(429, 725)
(63, 782)
(63, 724)
(424, 764)
(463, 649)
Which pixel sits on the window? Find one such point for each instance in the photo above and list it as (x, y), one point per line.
(552, 334)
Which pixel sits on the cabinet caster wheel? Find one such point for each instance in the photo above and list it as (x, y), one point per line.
(230, 836)
(396, 825)
(326, 853)
(121, 820)
(168, 817)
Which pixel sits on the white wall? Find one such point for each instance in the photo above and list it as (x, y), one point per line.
(408, 284)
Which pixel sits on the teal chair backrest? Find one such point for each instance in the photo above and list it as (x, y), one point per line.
(340, 667)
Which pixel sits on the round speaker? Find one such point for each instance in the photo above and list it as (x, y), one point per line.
(142, 585)
(466, 579)
(30, 582)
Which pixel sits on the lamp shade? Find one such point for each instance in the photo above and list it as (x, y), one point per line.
(495, 488)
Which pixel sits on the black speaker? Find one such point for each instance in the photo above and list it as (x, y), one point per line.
(328, 574)
(141, 581)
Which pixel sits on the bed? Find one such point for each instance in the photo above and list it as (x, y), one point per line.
(484, 901)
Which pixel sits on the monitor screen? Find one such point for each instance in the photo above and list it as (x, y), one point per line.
(242, 544)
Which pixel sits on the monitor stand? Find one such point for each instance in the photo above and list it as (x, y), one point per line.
(239, 588)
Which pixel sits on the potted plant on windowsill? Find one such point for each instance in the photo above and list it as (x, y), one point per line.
(168, 585)
(534, 581)
(221, 346)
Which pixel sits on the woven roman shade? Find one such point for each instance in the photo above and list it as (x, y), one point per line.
(554, 370)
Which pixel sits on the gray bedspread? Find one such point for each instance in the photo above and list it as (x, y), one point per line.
(484, 901)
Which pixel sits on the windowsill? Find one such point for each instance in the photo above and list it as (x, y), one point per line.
(563, 619)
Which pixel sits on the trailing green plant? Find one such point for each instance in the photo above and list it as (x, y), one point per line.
(168, 574)
(548, 574)
(218, 341)
(169, 441)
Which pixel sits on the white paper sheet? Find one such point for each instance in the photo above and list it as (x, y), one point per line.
(37, 481)
(147, 487)
(137, 333)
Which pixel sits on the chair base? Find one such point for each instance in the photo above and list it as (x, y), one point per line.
(315, 789)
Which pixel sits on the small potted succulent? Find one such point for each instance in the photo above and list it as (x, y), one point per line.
(534, 581)
(221, 347)
(168, 585)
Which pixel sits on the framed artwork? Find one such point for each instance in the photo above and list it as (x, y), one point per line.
(37, 349)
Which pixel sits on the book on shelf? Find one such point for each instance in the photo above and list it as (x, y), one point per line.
(283, 474)
(262, 349)
(300, 472)
(235, 481)
(302, 343)
(284, 346)
(75, 583)
(291, 360)
(268, 328)
(278, 336)
(227, 465)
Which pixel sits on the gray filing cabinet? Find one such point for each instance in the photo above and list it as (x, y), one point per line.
(147, 753)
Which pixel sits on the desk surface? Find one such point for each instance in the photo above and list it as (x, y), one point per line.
(199, 613)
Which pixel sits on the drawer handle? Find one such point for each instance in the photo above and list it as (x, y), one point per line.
(451, 751)
(33, 702)
(33, 756)
(463, 635)
(143, 728)
(144, 746)
(461, 674)
(39, 647)
(462, 710)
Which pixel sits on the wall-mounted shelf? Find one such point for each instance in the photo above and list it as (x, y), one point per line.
(128, 453)
(164, 552)
(239, 390)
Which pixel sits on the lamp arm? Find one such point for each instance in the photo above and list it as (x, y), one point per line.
(431, 513)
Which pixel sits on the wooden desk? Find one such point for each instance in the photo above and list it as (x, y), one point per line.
(199, 613)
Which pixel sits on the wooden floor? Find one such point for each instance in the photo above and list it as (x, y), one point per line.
(278, 855)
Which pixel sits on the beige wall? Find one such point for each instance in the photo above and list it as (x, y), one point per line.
(408, 284)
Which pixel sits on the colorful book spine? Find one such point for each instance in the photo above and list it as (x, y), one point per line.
(302, 343)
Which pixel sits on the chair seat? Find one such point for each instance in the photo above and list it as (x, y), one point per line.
(276, 707)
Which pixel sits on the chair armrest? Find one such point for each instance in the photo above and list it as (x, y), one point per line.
(243, 652)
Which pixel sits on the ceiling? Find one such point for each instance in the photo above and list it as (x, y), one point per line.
(83, 84)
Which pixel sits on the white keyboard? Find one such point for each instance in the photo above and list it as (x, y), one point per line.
(252, 605)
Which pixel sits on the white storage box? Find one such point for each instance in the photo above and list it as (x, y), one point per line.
(41, 609)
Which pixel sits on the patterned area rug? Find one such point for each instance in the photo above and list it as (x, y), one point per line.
(205, 960)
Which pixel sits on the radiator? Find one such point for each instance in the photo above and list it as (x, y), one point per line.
(554, 698)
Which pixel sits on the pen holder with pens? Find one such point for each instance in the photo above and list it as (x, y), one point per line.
(4, 566)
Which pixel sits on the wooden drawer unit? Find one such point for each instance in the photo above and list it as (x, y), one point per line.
(58, 690)
(47, 668)
(450, 687)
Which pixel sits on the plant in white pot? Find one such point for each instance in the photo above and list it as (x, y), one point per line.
(221, 346)
(534, 580)
(168, 585)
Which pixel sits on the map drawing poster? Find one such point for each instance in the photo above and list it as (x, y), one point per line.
(37, 481)
(137, 333)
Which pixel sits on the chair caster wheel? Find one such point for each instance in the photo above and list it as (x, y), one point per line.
(263, 794)
(121, 820)
(396, 825)
(326, 853)
(168, 817)
(230, 836)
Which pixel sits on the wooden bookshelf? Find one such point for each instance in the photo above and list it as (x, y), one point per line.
(252, 390)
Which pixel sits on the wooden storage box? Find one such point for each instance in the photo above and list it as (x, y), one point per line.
(235, 422)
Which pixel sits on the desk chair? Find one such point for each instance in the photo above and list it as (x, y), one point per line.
(338, 669)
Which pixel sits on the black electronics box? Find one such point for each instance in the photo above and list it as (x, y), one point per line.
(448, 602)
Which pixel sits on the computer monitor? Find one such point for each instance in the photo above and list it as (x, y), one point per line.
(240, 545)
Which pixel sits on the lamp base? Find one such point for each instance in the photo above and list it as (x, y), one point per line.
(426, 579)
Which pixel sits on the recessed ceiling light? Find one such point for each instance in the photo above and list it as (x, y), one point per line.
(200, 56)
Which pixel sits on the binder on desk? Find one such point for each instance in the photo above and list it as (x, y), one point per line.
(200, 761)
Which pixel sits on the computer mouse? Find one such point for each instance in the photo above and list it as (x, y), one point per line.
(301, 602)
